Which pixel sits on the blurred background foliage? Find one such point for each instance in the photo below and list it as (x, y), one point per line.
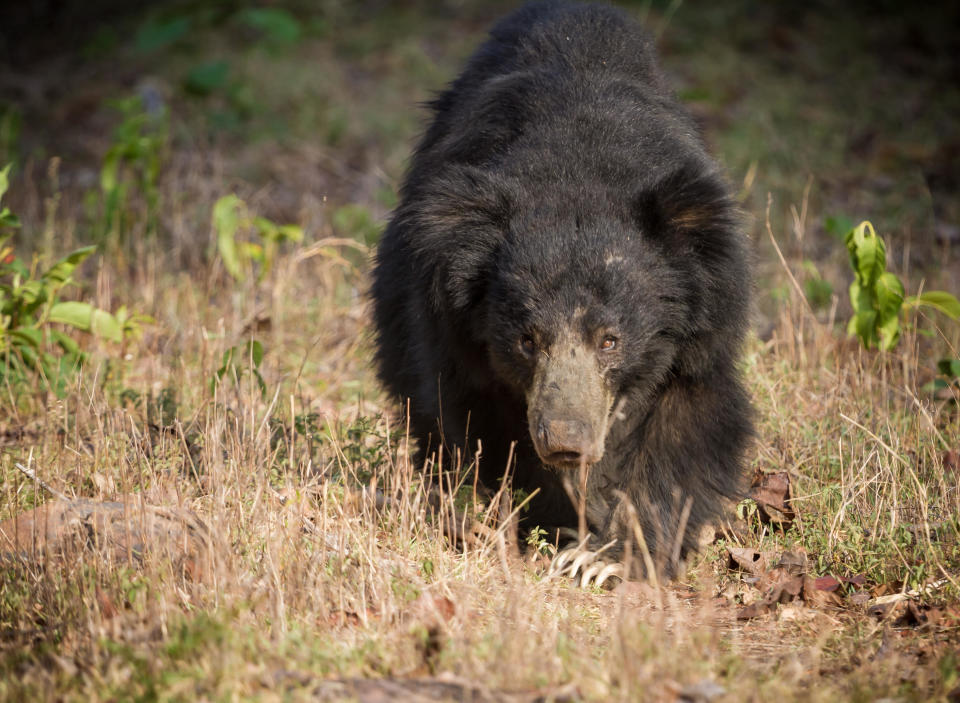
(836, 112)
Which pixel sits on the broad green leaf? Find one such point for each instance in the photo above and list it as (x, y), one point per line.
(226, 221)
(60, 271)
(889, 331)
(73, 313)
(31, 293)
(105, 325)
(29, 336)
(254, 350)
(889, 293)
(86, 317)
(871, 254)
(940, 300)
(866, 321)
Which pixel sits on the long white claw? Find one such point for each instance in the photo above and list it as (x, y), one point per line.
(562, 557)
(590, 572)
(581, 561)
(565, 555)
(609, 570)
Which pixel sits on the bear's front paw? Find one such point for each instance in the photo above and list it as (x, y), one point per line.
(584, 563)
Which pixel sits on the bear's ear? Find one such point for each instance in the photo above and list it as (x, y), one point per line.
(462, 221)
(693, 203)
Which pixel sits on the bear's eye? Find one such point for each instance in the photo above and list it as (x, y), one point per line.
(609, 343)
(527, 345)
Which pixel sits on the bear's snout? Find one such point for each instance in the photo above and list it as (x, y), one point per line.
(568, 405)
(566, 442)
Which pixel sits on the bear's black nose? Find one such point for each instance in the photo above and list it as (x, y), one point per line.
(566, 443)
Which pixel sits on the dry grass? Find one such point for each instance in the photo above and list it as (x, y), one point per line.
(317, 578)
(330, 560)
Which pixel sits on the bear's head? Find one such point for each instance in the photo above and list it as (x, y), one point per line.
(586, 306)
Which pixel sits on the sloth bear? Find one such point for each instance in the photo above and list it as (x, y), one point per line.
(565, 282)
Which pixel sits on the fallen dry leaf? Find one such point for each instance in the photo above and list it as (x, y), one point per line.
(826, 583)
(749, 560)
(771, 492)
(786, 590)
(821, 592)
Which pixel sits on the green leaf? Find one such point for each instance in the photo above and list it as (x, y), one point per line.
(27, 336)
(65, 342)
(4, 179)
(251, 250)
(266, 228)
(86, 317)
(105, 325)
(889, 331)
(866, 323)
(939, 300)
(278, 26)
(156, 33)
(889, 293)
(291, 233)
(60, 271)
(226, 221)
(871, 255)
(8, 219)
(75, 314)
(949, 368)
(254, 351)
(110, 169)
(207, 77)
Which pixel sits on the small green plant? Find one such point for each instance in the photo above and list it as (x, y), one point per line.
(132, 164)
(238, 361)
(877, 296)
(30, 306)
(232, 220)
(538, 542)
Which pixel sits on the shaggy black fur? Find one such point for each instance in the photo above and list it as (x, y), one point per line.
(562, 190)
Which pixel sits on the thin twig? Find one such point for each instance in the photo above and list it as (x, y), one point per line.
(43, 484)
